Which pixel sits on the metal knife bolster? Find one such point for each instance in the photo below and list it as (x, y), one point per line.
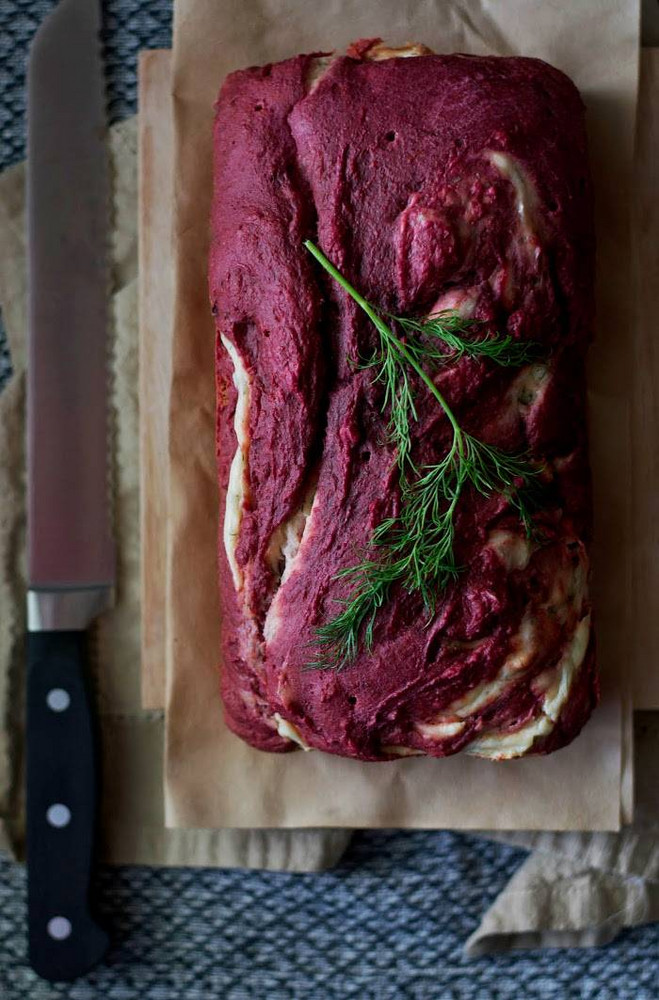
(66, 609)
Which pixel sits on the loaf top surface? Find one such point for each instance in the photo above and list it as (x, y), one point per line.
(432, 183)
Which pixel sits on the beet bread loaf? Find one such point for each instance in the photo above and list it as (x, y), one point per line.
(401, 432)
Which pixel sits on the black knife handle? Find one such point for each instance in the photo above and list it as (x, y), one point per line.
(64, 940)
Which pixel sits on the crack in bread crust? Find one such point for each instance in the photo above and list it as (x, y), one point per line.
(236, 494)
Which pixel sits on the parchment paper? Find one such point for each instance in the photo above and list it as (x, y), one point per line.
(212, 779)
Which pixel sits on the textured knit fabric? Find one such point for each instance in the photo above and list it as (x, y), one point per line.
(387, 924)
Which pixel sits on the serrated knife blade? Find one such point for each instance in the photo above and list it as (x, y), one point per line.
(71, 563)
(69, 541)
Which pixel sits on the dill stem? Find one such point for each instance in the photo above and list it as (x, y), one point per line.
(388, 333)
(411, 360)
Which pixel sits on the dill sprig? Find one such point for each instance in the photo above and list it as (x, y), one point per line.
(446, 329)
(416, 547)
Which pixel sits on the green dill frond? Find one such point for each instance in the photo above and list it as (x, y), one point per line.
(446, 337)
(415, 549)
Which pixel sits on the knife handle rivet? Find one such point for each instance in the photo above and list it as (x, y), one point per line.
(59, 928)
(58, 700)
(58, 815)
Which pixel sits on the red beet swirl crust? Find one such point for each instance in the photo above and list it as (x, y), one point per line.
(431, 182)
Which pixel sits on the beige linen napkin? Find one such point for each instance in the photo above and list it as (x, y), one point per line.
(581, 889)
(132, 826)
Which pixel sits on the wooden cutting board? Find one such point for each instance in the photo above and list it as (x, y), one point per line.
(156, 302)
(156, 312)
(645, 405)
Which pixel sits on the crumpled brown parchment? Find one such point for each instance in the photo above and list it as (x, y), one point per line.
(582, 786)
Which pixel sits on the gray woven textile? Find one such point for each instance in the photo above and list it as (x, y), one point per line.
(390, 922)
(387, 924)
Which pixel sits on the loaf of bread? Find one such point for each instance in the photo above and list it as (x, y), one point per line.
(452, 186)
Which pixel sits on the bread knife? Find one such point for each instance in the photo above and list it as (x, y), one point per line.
(71, 564)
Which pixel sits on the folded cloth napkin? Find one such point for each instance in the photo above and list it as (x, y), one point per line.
(580, 889)
(132, 822)
(574, 889)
